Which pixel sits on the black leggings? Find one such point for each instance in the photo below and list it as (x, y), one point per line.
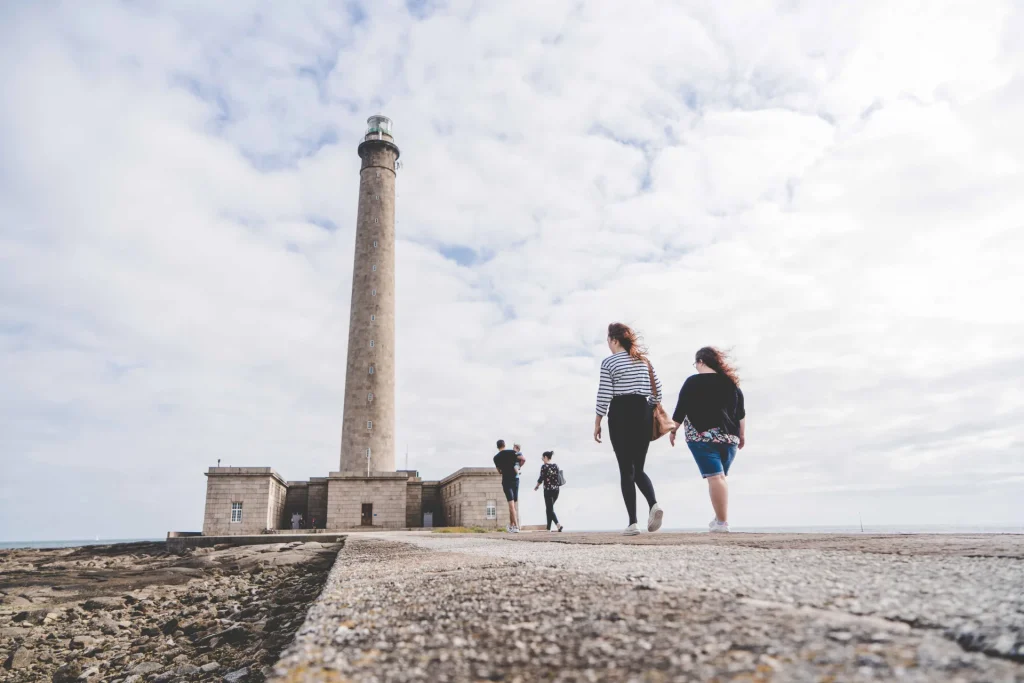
(550, 496)
(630, 420)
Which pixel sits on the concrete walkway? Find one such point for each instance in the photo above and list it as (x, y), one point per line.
(663, 607)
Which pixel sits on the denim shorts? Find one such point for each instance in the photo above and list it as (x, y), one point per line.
(712, 458)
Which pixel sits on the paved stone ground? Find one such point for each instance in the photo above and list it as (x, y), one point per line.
(665, 607)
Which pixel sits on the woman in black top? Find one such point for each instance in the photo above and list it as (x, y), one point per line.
(549, 477)
(710, 410)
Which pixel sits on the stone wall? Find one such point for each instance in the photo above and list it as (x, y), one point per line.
(347, 492)
(465, 496)
(414, 503)
(260, 490)
(318, 502)
(277, 496)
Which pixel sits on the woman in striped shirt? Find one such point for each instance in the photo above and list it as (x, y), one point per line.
(626, 396)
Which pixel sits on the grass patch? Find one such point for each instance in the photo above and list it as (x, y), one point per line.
(466, 530)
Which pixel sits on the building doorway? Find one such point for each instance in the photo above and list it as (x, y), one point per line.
(367, 517)
(428, 519)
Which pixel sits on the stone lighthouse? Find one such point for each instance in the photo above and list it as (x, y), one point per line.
(368, 425)
(366, 491)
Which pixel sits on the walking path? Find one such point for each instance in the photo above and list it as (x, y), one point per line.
(410, 606)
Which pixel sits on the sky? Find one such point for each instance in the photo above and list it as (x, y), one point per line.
(832, 191)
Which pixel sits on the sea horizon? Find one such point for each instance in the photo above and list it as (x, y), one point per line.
(824, 529)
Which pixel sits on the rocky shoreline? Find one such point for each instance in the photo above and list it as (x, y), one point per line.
(132, 612)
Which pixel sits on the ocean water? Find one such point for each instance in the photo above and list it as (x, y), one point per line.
(72, 544)
(875, 529)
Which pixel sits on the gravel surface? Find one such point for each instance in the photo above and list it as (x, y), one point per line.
(132, 613)
(416, 606)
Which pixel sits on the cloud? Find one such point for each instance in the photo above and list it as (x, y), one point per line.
(831, 192)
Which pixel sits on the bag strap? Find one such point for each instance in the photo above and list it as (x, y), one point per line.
(650, 373)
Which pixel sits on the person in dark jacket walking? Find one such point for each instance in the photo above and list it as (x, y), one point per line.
(549, 477)
(710, 409)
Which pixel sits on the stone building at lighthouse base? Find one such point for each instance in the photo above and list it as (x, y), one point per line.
(244, 501)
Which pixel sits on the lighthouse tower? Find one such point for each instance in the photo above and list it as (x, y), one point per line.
(368, 426)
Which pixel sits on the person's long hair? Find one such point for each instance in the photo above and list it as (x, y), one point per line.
(629, 339)
(719, 362)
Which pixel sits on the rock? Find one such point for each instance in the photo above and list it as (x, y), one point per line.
(209, 668)
(67, 673)
(109, 627)
(82, 642)
(89, 673)
(169, 626)
(20, 658)
(95, 604)
(145, 668)
(236, 676)
(235, 634)
(35, 617)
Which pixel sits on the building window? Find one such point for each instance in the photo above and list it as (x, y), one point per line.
(371, 343)
(369, 424)
(376, 196)
(236, 512)
(373, 292)
(492, 510)
(371, 369)
(378, 174)
(367, 453)
(374, 267)
(375, 220)
(375, 244)
(369, 397)
(372, 317)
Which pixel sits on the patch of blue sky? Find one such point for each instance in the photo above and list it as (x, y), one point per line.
(463, 255)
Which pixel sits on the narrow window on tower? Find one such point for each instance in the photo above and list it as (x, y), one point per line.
(367, 452)
(375, 220)
(371, 372)
(376, 196)
(371, 343)
(369, 424)
(375, 244)
(372, 317)
(369, 397)
(373, 292)
(374, 268)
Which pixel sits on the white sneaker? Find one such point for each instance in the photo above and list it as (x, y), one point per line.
(719, 527)
(713, 523)
(654, 520)
(631, 530)
(515, 530)
(509, 529)
(553, 531)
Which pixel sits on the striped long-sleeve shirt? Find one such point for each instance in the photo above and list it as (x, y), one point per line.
(620, 374)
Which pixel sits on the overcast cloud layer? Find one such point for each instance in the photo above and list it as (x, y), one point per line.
(834, 192)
